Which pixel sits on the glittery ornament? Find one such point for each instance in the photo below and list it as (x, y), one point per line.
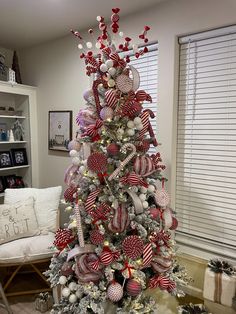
(97, 162)
(62, 238)
(124, 83)
(161, 197)
(69, 194)
(133, 247)
(133, 287)
(115, 292)
(96, 237)
(106, 113)
(113, 149)
(65, 292)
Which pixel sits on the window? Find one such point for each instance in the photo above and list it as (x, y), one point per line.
(147, 68)
(205, 199)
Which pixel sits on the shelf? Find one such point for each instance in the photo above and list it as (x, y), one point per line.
(12, 117)
(2, 194)
(16, 167)
(15, 142)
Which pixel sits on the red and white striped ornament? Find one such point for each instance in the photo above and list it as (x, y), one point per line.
(124, 83)
(106, 257)
(143, 165)
(111, 98)
(147, 255)
(62, 238)
(89, 204)
(115, 292)
(133, 287)
(160, 281)
(133, 246)
(120, 220)
(133, 179)
(96, 237)
(97, 162)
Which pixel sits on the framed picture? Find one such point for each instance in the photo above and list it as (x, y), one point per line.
(59, 130)
(19, 156)
(10, 181)
(5, 159)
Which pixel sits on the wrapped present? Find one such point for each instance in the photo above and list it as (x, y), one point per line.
(192, 309)
(43, 302)
(219, 283)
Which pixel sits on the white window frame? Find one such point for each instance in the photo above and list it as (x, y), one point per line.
(187, 243)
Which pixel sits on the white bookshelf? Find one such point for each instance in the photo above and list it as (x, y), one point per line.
(23, 99)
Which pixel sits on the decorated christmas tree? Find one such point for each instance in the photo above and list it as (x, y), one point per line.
(118, 243)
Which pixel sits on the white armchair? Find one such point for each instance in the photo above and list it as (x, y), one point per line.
(29, 218)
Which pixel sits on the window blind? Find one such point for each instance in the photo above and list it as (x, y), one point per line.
(205, 199)
(147, 66)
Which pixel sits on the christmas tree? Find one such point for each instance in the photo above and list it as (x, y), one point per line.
(118, 242)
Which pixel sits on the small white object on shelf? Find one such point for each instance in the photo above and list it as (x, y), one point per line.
(11, 76)
(11, 136)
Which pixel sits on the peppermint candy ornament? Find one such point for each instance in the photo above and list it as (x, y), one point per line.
(124, 83)
(162, 197)
(115, 292)
(97, 162)
(133, 247)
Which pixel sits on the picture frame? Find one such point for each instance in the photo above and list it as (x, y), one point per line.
(59, 130)
(5, 159)
(19, 156)
(10, 181)
(2, 184)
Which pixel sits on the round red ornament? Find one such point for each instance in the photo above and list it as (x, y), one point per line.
(106, 258)
(97, 162)
(133, 247)
(113, 149)
(155, 213)
(96, 237)
(133, 287)
(115, 292)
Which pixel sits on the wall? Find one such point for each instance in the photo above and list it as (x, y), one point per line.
(59, 74)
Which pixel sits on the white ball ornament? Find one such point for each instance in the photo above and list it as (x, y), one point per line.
(65, 292)
(98, 45)
(80, 46)
(130, 124)
(76, 161)
(72, 298)
(98, 18)
(82, 169)
(135, 189)
(72, 286)
(137, 121)
(79, 294)
(142, 197)
(62, 280)
(109, 63)
(121, 34)
(151, 188)
(73, 153)
(89, 45)
(145, 204)
(111, 83)
(120, 131)
(103, 68)
(112, 71)
(115, 292)
(130, 132)
(139, 127)
(143, 189)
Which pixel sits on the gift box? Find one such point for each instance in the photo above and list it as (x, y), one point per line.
(219, 283)
(43, 302)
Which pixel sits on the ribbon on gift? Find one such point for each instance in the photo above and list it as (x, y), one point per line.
(133, 179)
(218, 287)
(118, 61)
(128, 267)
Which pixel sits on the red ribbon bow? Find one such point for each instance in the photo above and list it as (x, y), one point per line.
(128, 267)
(133, 179)
(116, 58)
(92, 130)
(163, 282)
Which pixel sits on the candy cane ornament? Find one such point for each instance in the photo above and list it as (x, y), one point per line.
(125, 161)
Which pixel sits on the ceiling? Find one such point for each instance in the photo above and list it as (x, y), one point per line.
(24, 23)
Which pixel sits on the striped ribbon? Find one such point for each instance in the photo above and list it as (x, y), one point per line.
(163, 282)
(120, 62)
(147, 255)
(92, 130)
(133, 179)
(91, 200)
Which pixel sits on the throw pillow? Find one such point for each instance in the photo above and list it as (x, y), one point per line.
(46, 204)
(18, 221)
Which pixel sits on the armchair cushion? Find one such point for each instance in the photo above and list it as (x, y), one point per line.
(27, 249)
(46, 204)
(18, 220)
